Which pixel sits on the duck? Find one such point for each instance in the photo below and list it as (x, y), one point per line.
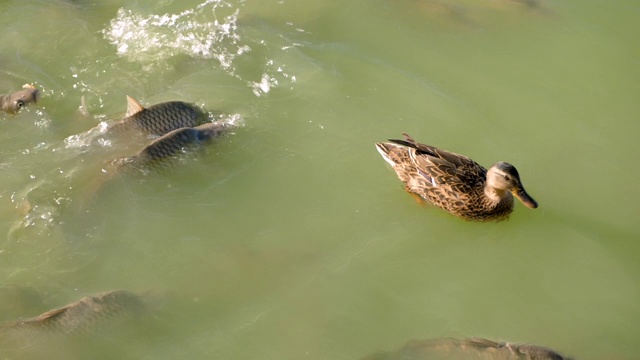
(454, 182)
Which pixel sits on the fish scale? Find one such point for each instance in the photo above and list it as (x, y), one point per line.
(81, 317)
(162, 154)
(468, 349)
(178, 141)
(162, 118)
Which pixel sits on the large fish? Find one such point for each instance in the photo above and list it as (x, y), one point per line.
(13, 102)
(162, 150)
(140, 123)
(160, 119)
(467, 349)
(161, 155)
(79, 318)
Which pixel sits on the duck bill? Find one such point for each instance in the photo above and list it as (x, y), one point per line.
(524, 197)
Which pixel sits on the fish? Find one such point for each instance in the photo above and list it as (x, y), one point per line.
(162, 150)
(12, 103)
(139, 124)
(161, 155)
(159, 119)
(83, 328)
(83, 317)
(468, 349)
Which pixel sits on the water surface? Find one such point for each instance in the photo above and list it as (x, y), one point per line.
(292, 237)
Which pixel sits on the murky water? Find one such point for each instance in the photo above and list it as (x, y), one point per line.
(292, 238)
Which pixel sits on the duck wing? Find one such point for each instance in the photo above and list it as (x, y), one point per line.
(443, 167)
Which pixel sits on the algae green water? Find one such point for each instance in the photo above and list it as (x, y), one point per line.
(292, 238)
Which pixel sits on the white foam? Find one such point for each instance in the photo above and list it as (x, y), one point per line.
(195, 32)
(85, 139)
(264, 85)
(208, 31)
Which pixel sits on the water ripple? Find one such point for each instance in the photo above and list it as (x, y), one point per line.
(195, 32)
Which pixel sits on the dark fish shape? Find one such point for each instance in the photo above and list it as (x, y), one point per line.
(160, 119)
(80, 318)
(162, 155)
(161, 150)
(467, 349)
(13, 102)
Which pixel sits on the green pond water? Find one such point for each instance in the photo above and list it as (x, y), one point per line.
(292, 238)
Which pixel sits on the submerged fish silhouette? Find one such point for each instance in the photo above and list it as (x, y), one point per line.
(81, 317)
(467, 349)
(161, 155)
(176, 142)
(13, 102)
(160, 119)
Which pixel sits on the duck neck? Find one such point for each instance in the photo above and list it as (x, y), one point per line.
(496, 197)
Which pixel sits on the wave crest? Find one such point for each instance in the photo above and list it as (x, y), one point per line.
(197, 32)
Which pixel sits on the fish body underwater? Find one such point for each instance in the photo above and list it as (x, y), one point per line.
(12, 103)
(160, 151)
(162, 155)
(84, 328)
(81, 317)
(160, 119)
(139, 124)
(468, 349)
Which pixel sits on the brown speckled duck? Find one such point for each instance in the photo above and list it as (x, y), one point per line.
(454, 182)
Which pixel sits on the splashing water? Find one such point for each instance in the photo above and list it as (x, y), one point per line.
(84, 139)
(265, 84)
(153, 38)
(202, 32)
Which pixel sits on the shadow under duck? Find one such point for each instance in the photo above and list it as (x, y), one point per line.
(454, 182)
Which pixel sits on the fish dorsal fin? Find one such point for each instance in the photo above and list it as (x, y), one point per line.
(133, 106)
(51, 314)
